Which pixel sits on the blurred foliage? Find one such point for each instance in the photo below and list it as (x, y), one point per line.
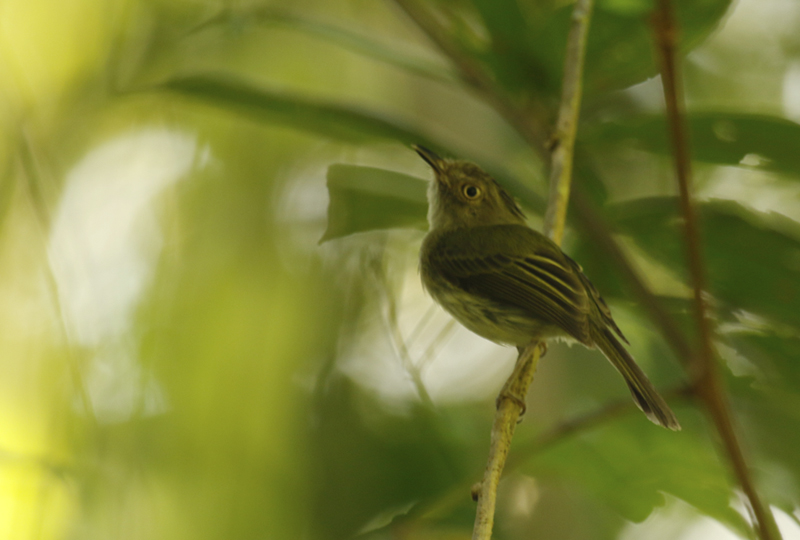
(181, 357)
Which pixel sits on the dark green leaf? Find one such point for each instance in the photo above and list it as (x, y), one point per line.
(753, 259)
(620, 48)
(770, 418)
(373, 464)
(276, 107)
(776, 357)
(630, 463)
(719, 138)
(365, 199)
(527, 49)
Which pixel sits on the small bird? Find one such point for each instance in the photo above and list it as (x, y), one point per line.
(511, 284)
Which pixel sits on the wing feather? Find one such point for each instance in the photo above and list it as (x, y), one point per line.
(521, 269)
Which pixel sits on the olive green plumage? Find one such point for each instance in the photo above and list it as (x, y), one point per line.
(510, 284)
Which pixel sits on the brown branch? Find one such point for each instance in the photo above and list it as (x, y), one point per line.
(709, 386)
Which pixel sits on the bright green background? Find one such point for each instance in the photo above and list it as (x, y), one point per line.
(181, 358)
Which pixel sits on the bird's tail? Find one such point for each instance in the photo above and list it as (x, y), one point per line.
(644, 393)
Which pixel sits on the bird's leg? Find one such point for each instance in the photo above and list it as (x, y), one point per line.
(525, 357)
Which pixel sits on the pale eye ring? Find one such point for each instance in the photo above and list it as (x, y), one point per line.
(471, 191)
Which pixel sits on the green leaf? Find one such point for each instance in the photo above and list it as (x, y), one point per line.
(753, 259)
(365, 199)
(630, 463)
(374, 465)
(775, 356)
(620, 48)
(527, 49)
(770, 417)
(719, 138)
(275, 107)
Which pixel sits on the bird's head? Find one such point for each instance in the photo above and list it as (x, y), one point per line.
(464, 195)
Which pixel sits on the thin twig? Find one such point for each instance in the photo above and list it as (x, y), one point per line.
(567, 125)
(433, 348)
(509, 410)
(708, 383)
(505, 423)
(422, 323)
(400, 343)
(33, 183)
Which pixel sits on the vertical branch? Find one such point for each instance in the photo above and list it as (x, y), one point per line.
(516, 388)
(505, 423)
(709, 387)
(567, 125)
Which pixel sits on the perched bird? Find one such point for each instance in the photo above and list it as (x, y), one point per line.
(510, 284)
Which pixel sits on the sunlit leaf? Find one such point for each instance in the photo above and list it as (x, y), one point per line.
(365, 199)
(343, 37)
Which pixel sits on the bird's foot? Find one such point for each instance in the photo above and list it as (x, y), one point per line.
(505, 394)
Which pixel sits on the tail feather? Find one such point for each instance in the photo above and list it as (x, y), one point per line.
(644, 393)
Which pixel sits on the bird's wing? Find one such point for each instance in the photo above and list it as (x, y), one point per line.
(516, 266)
(597, 300)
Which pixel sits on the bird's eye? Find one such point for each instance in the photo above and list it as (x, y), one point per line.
(471, 191)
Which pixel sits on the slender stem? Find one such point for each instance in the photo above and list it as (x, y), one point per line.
(567, 125)
(505, 423)
(509, 410)
(400, 344)
(33, 176)
(432, 350)
(709, 385)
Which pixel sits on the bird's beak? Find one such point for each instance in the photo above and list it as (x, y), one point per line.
(430, 156)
